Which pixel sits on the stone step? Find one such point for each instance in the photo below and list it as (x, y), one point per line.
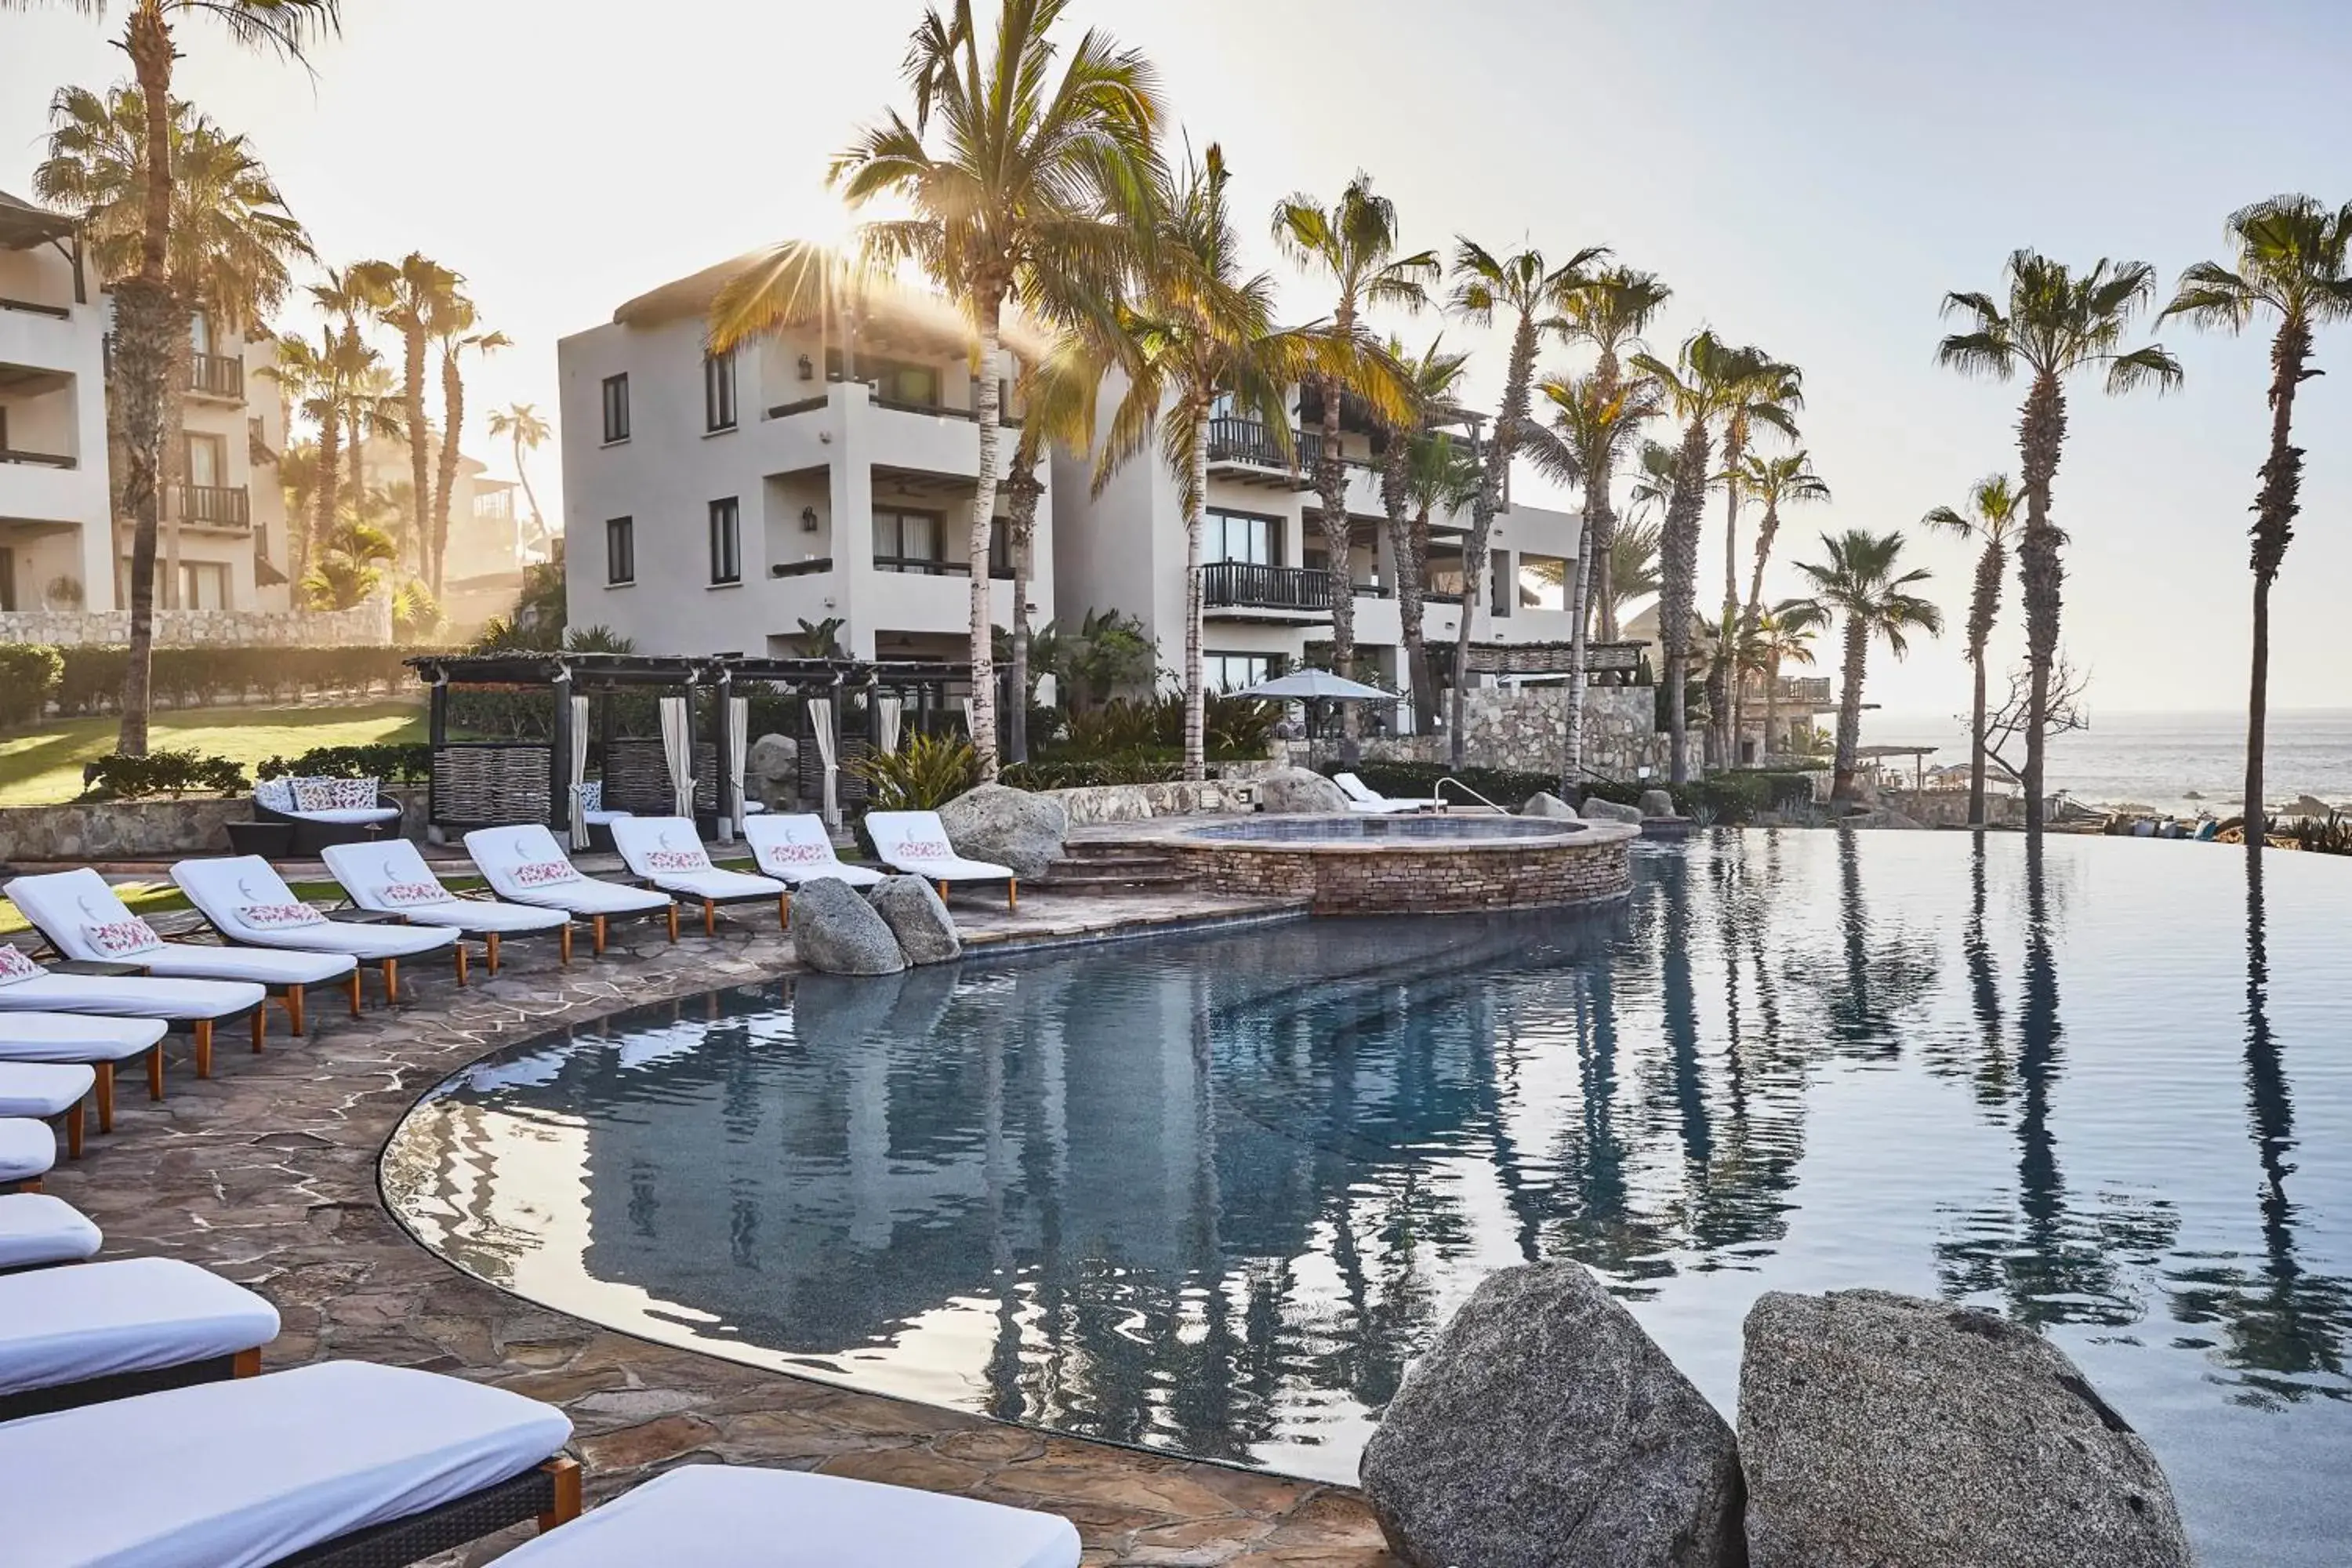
(1076, 878)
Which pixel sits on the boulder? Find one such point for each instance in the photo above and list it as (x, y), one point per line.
(1596, 809)
(1656, 803)
(1010, 827)
(1545, 805)
(911, 907)
(1885, 1431)
(1295, 791)
(1544, 1429)
(771, 769)
(1880, 817)
(836, 932)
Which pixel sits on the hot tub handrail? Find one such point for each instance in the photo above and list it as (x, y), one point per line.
(1474, 795)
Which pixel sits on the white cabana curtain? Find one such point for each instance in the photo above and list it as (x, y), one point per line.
(886, 712)
(676, 754)
(579, 773)
(820, 711)
(967, 722)
(739, 745)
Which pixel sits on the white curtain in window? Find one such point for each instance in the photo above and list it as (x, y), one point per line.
(578, 772)
(739, 744)
(887, 711)
(676, 754)
(820, 710)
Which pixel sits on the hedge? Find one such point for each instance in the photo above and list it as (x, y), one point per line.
(28, 678)
(86, 681)
(118, 777)
(393, 763)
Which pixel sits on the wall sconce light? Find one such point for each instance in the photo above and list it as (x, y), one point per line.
(808, 519)
(808, 371)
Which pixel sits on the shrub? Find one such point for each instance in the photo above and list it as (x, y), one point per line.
(28, 676)
(924, 774)
(1087, 773)
(161, 773)
(393, 763)
(90, 680)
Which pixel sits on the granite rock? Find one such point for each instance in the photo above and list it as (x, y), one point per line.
(1596, 809)
(1656, 803)
(1885, 1431)
(1008, 827)
(912, 908)
(1542, 804)
(1544, 1429)
(771, 769)
(1295, 792)
(837, 931)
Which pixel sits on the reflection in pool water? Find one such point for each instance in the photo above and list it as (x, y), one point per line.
(1212, 1194)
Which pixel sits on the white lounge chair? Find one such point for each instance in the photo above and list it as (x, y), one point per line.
(665, 852)
(250, 905)
(74, 1336)
(48, 1091)
(27, 1149)
(719, 1516)
(103, 1044)
(524, 865)
(917, 843)
(29, 987)
(797, 848)
(262, 1469)
(390, 877)
(38, 1230)
(1362, 798)
(82, 919)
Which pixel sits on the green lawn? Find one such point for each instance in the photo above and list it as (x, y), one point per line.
(42, 766)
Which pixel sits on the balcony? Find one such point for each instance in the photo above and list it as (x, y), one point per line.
(1246, 450)
(37, 460)
(1289, 593)
(924, 567)
(217, 376)
(223, 507)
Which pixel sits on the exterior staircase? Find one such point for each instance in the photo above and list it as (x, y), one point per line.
(1109, 867)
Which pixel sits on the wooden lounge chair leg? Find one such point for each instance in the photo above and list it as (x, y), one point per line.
(204, 1034)
(600, 936)
(709, 918)
(461, 962)
(245, 1364)
(391, 980)
(565, 1473)
(673, 919)
(564, 943)
(105, 1087)
(260, 1026)
(73, 1130)
(783, 911)
(491, 950)
(355, 990)
(29, 1184)
(294, 1009)
(1012, 893)
(155, 1073)
(943, 889)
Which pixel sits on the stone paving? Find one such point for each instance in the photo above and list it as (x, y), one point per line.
(266, 1174)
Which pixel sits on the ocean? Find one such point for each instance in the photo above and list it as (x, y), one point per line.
(2179, 762)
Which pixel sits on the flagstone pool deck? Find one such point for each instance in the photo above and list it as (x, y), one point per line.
(266, 1174)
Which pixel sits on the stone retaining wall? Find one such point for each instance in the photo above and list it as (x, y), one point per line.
(1435, 878)
(1524, 730)
(147, 829)
(1949, 808)
(363, 625)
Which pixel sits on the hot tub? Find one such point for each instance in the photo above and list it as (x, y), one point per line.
(1365, 864)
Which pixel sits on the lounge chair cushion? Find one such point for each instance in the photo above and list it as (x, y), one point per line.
(65, 904)
(27, 1149)
(797, 848)
(76, 1038)
(131, 997)
(717, 1516)
(666, 852)
(391, 875)
(349, 816)
(246, 897)
(236, 1475)
(525, 864)
(36, 1228)
(257, 965)
(137, 1315)
(43, 1089)
(917, 843)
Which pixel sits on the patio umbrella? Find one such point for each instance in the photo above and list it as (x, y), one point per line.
(1315, 685)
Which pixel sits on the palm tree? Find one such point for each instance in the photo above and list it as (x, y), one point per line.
(1521, 287)
(1782, 635)
(520, 423)
(1058, 391)
(352, 295)
(1352, 246)
(1197, 331)
(349, 566)
(2054, 323)
(415, 294)
(1611, 313)
(1991, 521)
(1033, 179)
(1860, 584)
(336, 384)
(149, 319)
(2290, 263)
(1424, 469)
(1769, 394)
(453, 327)
(1773, 483)
(1633, 570)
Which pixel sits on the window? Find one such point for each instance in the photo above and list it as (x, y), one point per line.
(908, 541)
(1238, 536)
(1232, 671)
(719, 391)
(1500, 598)
(999, 549)
(1543, 582)
(207, 462)
(620, 550)
(726, 543)
(894, 380)
(616, 408)
(204, 585)
(7, 578)
(200, 332)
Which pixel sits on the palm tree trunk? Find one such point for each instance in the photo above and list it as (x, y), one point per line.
(331, 436)
(2258, 709)
(1494, 472)
(1677, 586)
(144, 315)
(175, 471)
(983, 524)
(1984, 606)
(445, 478)
(1393, 502)
(1764, 535)
(539, 526)
(2042, 434)
(420, 478)
(1727, 718)
(1771, 701)
(1849, 732)
(1331, 492)
(1022, 519)
(1596, 502)
(1412, 610)
(1195, 747)
(2274, 509)
(1977, 743)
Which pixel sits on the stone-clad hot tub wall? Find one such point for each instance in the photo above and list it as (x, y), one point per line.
(1412, 874)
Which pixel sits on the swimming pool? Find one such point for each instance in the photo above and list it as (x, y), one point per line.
(1212, 1193)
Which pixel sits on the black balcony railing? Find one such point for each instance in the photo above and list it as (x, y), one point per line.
(36, 307)
(37, 459)
(215, 506)
(1248, 441)
(924, 567)
(1241, 585)
(217, 376)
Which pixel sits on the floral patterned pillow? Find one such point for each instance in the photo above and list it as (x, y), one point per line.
(276, 795)
(401, 895)
(544, 873)
(122, 938)
(15, 966)
(355, 794)
(315, 794)
(925, 849)
(592, 796)
(795, 855)
(281, 917)
(669, 859)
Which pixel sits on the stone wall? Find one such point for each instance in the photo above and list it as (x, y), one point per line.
(1524, 730)
(363, 625)
(1143, 802)
(1395, 878)
(1949, 808)
(147, 829)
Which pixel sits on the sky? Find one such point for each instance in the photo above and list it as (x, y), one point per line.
(1810, 177)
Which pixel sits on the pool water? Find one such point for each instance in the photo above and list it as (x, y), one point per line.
(1212, 1194)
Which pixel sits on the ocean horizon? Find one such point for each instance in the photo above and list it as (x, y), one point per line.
(2173, 762)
